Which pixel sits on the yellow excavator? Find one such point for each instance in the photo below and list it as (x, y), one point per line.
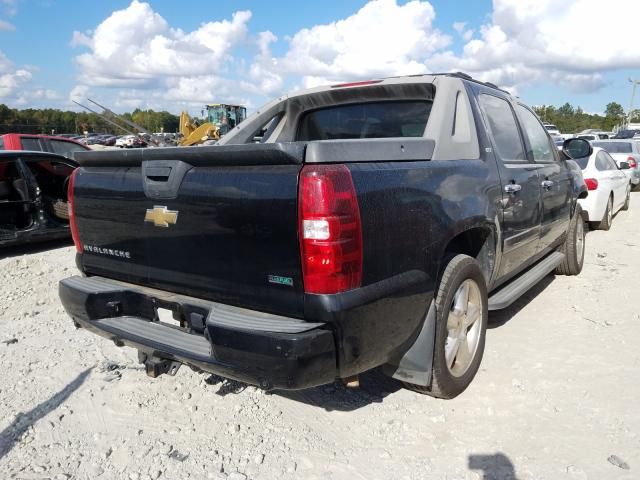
(220, 119)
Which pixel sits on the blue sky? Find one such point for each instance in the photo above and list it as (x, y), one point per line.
(220, 51)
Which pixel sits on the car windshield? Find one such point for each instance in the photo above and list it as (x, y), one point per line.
(366, 120)
(614, 147)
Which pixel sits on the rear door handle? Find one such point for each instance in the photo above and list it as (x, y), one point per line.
(512, 188)
(547, 184)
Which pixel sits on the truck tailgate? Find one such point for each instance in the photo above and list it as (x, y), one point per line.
(229, 234)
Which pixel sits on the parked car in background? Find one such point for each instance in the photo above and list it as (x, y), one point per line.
(626, 134)
(130, 141)
(33, 196)
(624, 151)
(41, 143)
(593, 137)
(125, 141)
(558, 140)
(608, 185)
(552, 129)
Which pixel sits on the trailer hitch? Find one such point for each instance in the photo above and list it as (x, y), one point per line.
(156, 366)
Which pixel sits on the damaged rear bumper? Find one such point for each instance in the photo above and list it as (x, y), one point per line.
(266, 350)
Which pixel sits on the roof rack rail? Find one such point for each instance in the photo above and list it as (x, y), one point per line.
(468, 77)
(463, 75)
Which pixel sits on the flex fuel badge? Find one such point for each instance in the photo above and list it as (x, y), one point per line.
(288, 281)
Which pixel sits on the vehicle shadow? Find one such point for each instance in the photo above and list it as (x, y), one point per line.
(28, 248)
(23, 421)
(497, 318)
(493, 467)
(374, 387)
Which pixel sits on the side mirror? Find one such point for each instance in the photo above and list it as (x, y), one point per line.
(577, 148)
(624, 166)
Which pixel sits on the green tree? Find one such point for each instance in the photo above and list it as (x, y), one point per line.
(614, 110)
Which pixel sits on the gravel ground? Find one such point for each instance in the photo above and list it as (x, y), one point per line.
(556, 396)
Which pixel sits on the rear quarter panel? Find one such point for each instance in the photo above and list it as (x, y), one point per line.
(409, 211)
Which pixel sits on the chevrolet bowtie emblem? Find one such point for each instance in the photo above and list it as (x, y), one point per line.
(160, 216)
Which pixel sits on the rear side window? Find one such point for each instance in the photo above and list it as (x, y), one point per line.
(365, 120)
(614, 147)
(605, 162)
(65, 148)
(1, 143)
(540, 145)
(503, 128)
(33, 144)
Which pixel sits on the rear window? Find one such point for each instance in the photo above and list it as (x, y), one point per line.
(614, 147)
(365, 120)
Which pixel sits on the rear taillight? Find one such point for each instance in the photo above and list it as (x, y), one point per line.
(632, 162)
(330, 230)
(591, 183)
(73, 226)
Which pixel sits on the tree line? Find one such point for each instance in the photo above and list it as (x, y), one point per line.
(50, 120)
(567, 118)
(570, 119)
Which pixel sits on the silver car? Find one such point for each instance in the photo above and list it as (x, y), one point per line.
(624, 151)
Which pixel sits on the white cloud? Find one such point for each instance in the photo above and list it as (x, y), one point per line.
(381, 39)
(6, 26)
(79, 93)
(17, 85)
(136, 47)
(459, 27)
(12, 78)
(531, 41)
(151, 64)
(145, 60)
(265, 79)
(10, 7)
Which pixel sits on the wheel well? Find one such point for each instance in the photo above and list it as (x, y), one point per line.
(479, 243)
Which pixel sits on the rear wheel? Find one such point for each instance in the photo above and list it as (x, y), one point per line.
(627, 200)
(607, 219)
(573, 247)
(461, 325)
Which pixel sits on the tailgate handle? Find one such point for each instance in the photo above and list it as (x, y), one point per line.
(161, 179)
(158, 174)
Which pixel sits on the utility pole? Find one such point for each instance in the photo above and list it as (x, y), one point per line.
(633, 95)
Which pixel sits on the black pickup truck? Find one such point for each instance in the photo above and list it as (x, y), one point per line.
(336, 230)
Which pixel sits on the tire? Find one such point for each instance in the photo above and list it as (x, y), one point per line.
(573, 247)
(627, 201)
(607, 218)
(451, 377)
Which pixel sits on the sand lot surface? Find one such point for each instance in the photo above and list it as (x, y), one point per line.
(557, 396)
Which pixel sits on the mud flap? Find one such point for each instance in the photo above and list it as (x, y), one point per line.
(415, 366)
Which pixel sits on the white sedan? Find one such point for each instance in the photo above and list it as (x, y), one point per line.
(609, 188)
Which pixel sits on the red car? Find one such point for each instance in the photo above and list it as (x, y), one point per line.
(41, 143)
